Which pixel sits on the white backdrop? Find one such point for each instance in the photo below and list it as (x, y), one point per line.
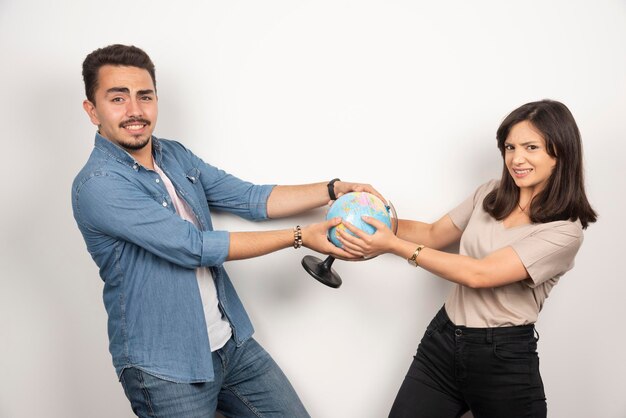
(406, 95)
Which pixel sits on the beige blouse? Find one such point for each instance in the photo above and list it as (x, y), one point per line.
(546, 250)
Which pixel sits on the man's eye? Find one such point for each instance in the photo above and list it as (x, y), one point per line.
(146, 98)
(117, 100)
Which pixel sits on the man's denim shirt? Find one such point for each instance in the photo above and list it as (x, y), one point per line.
(147, 254)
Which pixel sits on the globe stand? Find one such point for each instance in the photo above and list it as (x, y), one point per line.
(322, 270)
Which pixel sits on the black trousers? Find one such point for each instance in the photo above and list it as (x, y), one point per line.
(494, 372)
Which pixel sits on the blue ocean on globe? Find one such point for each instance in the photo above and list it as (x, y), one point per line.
(350, 207)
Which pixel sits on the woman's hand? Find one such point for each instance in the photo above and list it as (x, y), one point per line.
(365, 245)
(315, 237)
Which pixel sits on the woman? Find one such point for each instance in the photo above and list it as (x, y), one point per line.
(517, 236)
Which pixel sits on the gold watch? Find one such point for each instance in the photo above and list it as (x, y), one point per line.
(413, 260)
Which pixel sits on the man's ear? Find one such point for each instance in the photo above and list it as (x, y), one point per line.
(90, 108)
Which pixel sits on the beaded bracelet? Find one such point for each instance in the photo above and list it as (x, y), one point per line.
(297, 237)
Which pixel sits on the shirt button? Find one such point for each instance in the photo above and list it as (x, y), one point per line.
(164, 204)
(158, 181)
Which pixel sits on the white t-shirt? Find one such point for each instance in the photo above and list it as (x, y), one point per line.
(217, 326)
(547, 251)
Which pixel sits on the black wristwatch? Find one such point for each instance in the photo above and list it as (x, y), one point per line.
(331, 189)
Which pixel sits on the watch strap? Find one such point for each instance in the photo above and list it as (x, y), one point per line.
(331, 189)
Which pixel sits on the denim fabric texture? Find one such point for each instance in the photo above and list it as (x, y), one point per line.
(494, 372)
(147, 254)
(248, 383)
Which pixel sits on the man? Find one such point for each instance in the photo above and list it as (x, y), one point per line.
(179, 336)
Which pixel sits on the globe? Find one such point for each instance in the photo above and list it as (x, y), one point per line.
(350, 207)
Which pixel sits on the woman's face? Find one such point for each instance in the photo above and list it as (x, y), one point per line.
(526, 157)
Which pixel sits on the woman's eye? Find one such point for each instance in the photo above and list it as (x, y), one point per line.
(508, 147)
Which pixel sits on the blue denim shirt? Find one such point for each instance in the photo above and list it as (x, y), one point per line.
(147, 254)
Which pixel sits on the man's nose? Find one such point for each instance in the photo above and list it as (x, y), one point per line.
(134, 108)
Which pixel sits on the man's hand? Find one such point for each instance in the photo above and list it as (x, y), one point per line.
(314, 236)
(343, 187)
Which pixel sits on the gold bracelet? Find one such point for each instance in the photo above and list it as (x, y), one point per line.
(297, 237)
(413, 260)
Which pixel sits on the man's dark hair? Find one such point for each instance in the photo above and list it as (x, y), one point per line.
(117, 55)
(564, 196)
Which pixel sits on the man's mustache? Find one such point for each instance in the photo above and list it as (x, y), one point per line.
(135, 121)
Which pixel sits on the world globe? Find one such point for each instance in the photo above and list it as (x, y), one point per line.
(351, 207)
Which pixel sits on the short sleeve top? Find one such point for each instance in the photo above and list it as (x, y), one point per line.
(547, 251)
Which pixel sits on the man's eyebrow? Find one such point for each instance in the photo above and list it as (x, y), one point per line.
(118, 90)
(127, 91)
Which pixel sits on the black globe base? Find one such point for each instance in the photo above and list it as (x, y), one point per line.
(322, 270)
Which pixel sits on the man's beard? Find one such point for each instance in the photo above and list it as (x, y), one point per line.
(137, 145)
(139, 142)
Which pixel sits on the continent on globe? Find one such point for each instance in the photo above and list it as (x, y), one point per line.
(350, 207)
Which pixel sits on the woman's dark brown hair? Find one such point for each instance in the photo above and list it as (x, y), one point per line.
(564, 196)
(116, 55)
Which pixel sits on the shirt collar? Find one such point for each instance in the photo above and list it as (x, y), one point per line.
(121, 155)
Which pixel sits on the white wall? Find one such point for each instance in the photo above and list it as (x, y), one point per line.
(406, 95)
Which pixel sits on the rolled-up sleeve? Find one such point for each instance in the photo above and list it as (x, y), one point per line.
(215, 246)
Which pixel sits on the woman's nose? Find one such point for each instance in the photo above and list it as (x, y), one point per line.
(519, 157)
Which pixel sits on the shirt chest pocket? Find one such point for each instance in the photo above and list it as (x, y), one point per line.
(194, 188)
(193, 176)
(164, 200)
(158, 192)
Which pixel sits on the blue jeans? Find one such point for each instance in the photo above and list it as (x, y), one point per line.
(494, 372)
(248, 383)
